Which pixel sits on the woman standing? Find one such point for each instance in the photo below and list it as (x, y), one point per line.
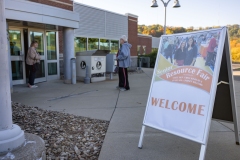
(180, 54)
(124, 61)
(191, 53)
(32, 60)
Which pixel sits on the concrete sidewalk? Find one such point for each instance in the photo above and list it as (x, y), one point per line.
(123, 133)
(125, 111)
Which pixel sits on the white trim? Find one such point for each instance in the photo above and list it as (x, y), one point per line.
(131, 15)
(57, 76)
(40, 13)
(132, 20)
(56, 1)
(19, 58)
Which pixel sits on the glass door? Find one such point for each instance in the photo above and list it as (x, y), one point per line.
(35, 35)
(52, 55)
(17, 56)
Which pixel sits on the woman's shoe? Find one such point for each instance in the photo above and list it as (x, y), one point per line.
(34, 86)
(122, 89)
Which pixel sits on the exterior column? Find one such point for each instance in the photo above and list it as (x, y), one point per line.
(68, 48)
(11, 136)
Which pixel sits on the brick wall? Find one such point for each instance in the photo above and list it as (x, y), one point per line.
(64, 4)
(145, 41)
(60, 40)
(132, 33)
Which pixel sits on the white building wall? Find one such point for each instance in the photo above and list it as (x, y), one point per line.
(98, 23)
(155, 42)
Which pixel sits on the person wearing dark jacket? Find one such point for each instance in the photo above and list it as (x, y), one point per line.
(169, 52)
(180, 54)
(191, 53)
(124, 62)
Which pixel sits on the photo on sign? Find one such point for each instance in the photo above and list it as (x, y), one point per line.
(196, 51)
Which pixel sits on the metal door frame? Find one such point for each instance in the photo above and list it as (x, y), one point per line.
(19, 58)
(43, 57)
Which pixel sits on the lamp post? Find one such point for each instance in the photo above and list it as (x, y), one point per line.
(175, 5)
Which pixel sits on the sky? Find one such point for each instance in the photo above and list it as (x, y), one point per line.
(196, 13)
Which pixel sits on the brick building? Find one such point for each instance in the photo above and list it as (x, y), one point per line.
(144, 45)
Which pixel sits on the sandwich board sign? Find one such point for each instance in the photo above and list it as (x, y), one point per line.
(192, 83)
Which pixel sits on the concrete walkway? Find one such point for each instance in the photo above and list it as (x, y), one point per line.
(125, 111)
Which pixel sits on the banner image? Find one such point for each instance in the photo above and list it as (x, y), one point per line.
(180, 92)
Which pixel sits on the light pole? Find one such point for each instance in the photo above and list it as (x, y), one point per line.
(175, 5)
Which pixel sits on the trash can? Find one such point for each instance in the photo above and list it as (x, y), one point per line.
(146, 62)
(96, 62)
(111, 63)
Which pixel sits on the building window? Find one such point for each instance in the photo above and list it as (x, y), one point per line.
(15, 43)
(104, 44)
(80, 44)
(144, 50)
(93, 43)
(52, 68)
(114, 44)
(51, 46)
(139, 50)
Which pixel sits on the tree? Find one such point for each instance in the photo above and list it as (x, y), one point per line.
(156, 30)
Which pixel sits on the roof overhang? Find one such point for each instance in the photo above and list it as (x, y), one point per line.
(40, 13)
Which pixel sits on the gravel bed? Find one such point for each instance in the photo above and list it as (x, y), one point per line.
(66, 136)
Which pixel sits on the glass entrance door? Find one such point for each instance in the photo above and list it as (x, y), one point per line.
(39, 36)
(17, 56)
(52, 56)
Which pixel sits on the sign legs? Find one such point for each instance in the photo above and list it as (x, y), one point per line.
(202, 152)
(235, 123)
(141, 137)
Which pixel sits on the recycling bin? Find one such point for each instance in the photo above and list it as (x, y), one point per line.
(96, 62)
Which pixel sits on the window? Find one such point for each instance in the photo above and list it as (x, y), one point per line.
(114, 44)
(144, 50)
(52, 68)
(104, 44)
(80, 44)
(38, 36)
(139, 50)
(92, 43)
(51, 46)
(15, 42)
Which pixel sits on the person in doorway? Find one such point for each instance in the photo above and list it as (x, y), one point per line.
(32, 60)
(124, 62)
(180, 54)
(191, 53)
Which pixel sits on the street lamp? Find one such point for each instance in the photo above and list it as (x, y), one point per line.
(175, 5)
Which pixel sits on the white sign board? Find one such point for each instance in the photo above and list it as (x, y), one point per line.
(184, 83)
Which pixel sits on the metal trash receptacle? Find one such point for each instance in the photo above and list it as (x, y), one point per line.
(96, 62)
(111, 64)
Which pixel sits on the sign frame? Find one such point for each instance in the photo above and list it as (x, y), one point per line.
(223, 47)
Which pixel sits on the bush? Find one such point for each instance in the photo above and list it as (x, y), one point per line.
(152, 56)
